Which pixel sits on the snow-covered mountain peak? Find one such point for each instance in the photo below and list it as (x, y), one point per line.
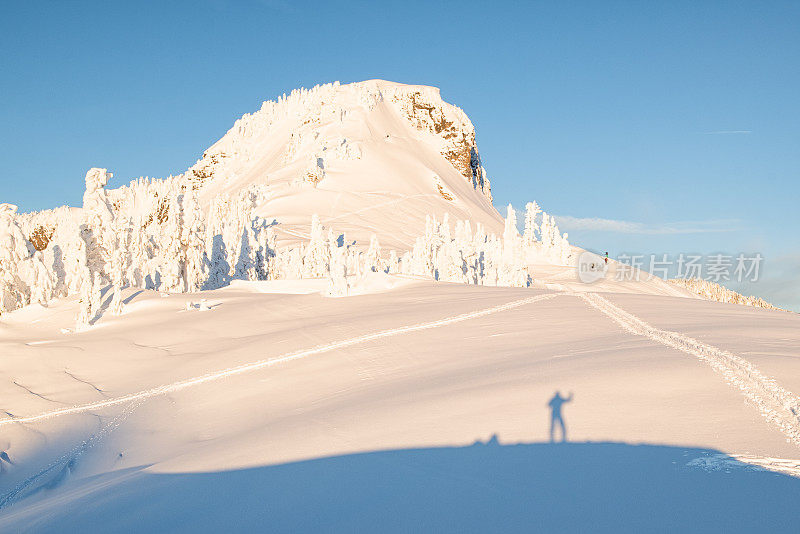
(345, 151)
(313, 118)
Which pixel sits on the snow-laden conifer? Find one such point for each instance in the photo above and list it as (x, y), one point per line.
(316, 261)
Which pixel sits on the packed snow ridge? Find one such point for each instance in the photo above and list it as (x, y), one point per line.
(309, 186)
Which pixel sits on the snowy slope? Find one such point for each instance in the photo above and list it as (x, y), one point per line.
(407, 405)
(277, 409)
(368, 157)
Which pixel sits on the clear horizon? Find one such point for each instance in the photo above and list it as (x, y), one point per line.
(646, 129)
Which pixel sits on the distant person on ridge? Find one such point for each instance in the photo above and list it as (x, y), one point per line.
(555, 415)
(606, 258)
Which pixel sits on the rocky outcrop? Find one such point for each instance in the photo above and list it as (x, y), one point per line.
(428, 112)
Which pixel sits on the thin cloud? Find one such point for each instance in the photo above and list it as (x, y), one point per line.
(728, 132)
(567, 222)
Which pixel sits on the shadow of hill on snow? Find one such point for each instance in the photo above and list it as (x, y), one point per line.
(597, 487)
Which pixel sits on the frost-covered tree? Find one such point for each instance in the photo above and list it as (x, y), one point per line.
(99, 216)
(14, 250)
(338, 267)
(532, 211)
(392, 266)
(89, 301)
(72, 251)
(216, 248)
(546, 231)
(511, 242)
(193, 241)
(355, 263)
(96, 295)
(247, 261)
(120, 258)
(406, 263)
(139, 255)
(316, 261)
(84, 317)
(444, 229)
(293, 262)
(238, 218)
(172, 257)
(554, 246)
(43, 286)
(265, 264)
(372, 259)
(565, 249)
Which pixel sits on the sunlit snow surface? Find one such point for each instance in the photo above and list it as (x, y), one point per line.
(381, 159)
(410, 405)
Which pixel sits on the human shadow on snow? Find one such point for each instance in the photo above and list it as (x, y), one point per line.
(488, 486)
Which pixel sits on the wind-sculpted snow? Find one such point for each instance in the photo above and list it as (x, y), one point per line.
(778, 405)
(245, 368)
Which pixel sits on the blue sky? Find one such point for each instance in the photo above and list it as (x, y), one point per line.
(676, 123)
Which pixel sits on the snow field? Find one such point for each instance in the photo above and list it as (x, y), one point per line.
(177, 386)
(778, 405)
(470, 362)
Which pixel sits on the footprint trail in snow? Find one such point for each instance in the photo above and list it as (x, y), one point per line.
(778, 405)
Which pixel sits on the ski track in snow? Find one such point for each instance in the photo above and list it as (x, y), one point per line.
(778, 405)
(244, 368)
(56, 471)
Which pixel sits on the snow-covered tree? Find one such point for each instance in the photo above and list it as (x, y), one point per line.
(316, 262)
(96, 295)
(372, 259)
(565, 249)
(532, 211)
(355, 264)
(120, 257)
(70, 251)
(99, 216)
(139, 255)
(216, 248)
(43, 286)
(247, 260)
(546, 231)
(392, 266)
(89, 302)
(193, 242)
(265, 258)
(172, 258)
(238, 239)
(338, 267)
(511, 242)
(14, 250)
